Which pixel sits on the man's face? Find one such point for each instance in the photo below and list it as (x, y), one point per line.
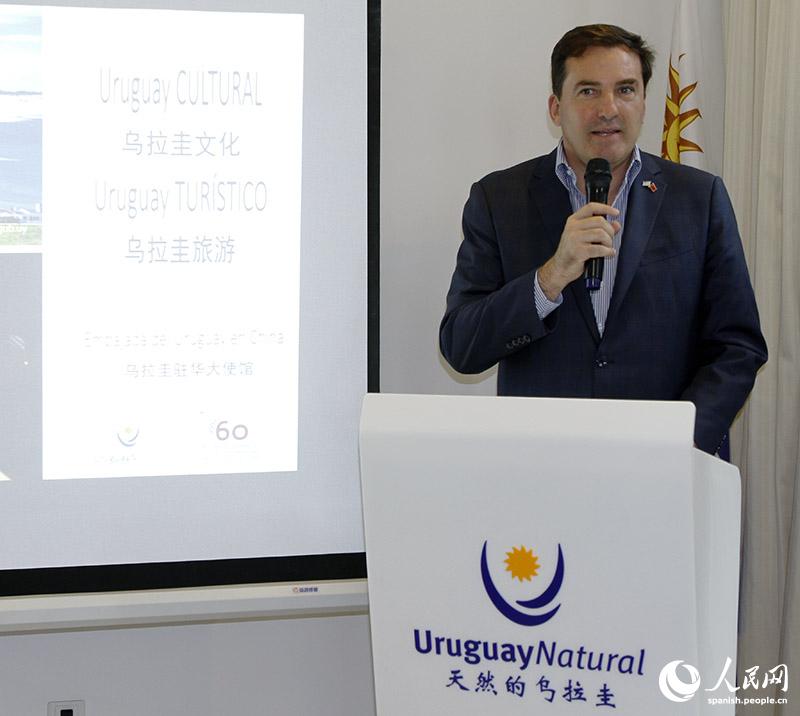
(601, 108)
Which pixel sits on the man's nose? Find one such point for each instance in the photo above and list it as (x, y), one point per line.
(607, 109)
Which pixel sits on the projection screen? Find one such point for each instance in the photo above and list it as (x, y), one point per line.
(183, 280)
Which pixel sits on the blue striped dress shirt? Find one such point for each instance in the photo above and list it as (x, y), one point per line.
(602, 297)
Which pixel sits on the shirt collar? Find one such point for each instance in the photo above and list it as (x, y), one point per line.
(567, 176)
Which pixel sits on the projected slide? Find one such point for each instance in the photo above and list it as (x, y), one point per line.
(170, 237)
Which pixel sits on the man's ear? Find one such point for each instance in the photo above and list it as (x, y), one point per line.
(554, 109)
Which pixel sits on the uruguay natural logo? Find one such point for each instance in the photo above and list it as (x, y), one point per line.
(128, 436)
(522, 564)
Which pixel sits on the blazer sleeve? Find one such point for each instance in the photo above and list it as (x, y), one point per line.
(730, 346)
(489, 314)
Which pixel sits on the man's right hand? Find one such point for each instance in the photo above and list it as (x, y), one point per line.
(587, 235)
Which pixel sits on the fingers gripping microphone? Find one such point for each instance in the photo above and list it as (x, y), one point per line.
(598, 180)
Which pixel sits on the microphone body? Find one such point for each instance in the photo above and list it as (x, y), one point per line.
(598, 180)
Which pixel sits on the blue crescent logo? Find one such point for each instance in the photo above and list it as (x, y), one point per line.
(543, 600)
(128, 436)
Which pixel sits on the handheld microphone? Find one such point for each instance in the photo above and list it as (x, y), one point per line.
(598, 180)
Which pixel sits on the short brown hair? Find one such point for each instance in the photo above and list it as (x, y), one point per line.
(580, 39)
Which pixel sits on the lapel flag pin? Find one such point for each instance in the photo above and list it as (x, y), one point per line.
(651, 185)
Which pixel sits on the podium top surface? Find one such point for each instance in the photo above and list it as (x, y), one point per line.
(653, 422)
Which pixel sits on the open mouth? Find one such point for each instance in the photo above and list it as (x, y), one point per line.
(606, 132)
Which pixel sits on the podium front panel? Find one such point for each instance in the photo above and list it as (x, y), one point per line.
(529, 555)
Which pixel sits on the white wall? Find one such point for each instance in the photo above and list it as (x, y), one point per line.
(256, 668)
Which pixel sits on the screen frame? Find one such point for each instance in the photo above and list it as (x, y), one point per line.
(256, 570)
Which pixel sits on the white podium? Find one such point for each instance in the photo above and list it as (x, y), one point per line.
(536, 556)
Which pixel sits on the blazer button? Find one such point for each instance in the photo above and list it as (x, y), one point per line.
(601, 362)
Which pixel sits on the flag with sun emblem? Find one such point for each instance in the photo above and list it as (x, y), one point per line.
(683, 140)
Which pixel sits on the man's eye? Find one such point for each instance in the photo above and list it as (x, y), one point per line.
(627, 90)
(587, 91)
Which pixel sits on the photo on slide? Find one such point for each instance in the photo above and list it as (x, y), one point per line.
(20, 129)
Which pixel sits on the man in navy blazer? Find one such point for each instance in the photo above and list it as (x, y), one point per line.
(675, 318)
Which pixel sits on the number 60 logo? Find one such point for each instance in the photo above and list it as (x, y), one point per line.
(237, 432)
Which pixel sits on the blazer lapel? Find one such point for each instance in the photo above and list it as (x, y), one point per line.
(643, 207)
(552, 202)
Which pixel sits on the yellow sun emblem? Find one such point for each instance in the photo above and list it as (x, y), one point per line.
(522, 563)
(675, 121)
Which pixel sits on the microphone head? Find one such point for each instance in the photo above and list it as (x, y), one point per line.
(598, 171)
